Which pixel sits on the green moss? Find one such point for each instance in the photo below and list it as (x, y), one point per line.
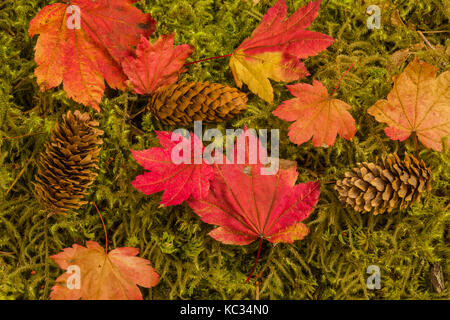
(328, 264)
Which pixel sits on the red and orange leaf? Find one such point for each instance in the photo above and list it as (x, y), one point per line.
(112, 276)
(419, 102)
(275, 48)
(156, 64)
(82, 59)
(247, 205)
(179, 181)
(316, 115)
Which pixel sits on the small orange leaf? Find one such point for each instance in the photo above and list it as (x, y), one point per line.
(316, 115)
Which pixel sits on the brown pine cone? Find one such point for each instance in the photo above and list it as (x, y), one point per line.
(392, 184)
(66, 167)
(185, 102)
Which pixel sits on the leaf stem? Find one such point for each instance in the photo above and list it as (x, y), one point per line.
(257, 289)
(256, 262)
(342, 78)
(434, 31)
(104, 227)
(19, 175)
(46, 264)
(22, 136)
(417, 146)
(426, 40)
(218, 57)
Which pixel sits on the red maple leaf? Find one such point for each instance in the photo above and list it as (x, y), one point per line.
(112, 276)
(82, 59)
(275, 48)
(316, 115)
(156, 64)
(247, 205)
(179, 181)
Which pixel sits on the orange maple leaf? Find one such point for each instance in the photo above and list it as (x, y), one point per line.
(111, 276)
(419, 102)
(83, 58)
(316, 115)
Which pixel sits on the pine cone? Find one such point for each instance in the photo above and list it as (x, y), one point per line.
(185, 102)
(379, 188)
(65, 168)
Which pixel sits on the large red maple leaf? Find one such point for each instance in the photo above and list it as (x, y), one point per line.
(102, 276)
(179, 181)
(247, 205)
(82, 59)
(156, 64)
(275, 48)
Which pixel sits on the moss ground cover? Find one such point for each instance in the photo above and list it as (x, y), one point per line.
(330, 263)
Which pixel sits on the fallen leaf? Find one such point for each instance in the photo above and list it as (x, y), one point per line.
(82, 59)
(316, 115)
(156, 64)
(419, 102)
(396, 19)
(275, 48)
(437, 277)
(400, 56)
(180, 181)
(112, 276)
(247, 205)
